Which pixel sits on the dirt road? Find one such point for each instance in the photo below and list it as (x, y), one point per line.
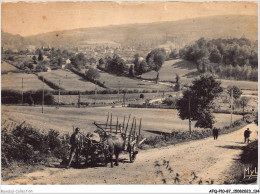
(209, 159)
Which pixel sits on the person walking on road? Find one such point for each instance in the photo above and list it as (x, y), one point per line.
(215, 133)
(247, 135)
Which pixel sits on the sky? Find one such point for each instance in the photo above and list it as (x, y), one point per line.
(31, 18)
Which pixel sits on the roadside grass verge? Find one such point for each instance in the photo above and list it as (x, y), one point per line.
(166, 139)
(241, 167)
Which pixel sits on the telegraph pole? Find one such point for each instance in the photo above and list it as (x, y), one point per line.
(243, 110)
(59, 95)
(189, 115)
(231, 111)
(22, 90)
(95, 91)
(118, 90)
(123, 100)
(79, 101)
(163, 95)
(42, 93)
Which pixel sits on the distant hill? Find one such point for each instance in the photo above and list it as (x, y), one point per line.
(12, 41)
(179, 32)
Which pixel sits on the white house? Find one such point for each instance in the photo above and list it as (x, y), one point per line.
(68, 61)
(48, 69)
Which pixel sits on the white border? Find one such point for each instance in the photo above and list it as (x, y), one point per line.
(129, 188)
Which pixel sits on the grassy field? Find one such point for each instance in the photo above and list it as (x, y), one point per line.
(188, 71)
(7, 67)
(63, 119)
(116, 82)
(184, 69)
(69, 80)
(244, 85)
(13, 81)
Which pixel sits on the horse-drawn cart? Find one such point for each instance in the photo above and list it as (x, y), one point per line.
(130, 133)
(109, 139)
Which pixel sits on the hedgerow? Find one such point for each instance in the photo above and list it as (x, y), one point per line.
(28, 145)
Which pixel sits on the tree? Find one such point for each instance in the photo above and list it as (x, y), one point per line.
(170, 101)
(10, 58)
(177, 86)
(226, 53)
(116, 65)
(131, 71)
(140, 65)
(101, 61)
(143, 67)
(59, 61)
(37, 51)
(155, 60)
(236, 91)
(215, 56)
(30, 101)
(78, 61)
(65, 53)
(41, 67)
(137, 64)
(40, 57)
(92, 73)
(200, 96)
(92, 60)
(244, 101)
(203, 64)
(173, 54)
(30, 66)
(48, 97)
(34, 58)
(256, 118)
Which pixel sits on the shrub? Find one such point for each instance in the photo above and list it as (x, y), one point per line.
(28, 145)
(30, 97)
(92, 73)
(11, 97)
(52, 138)
(41, 68)
(23, 145)
(236, 91)
(87, 78)
(10, 58)
(37, 97)
(49, 83)
(170, 101)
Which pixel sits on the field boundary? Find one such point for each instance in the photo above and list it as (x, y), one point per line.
(87, 78)
(49, 83)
